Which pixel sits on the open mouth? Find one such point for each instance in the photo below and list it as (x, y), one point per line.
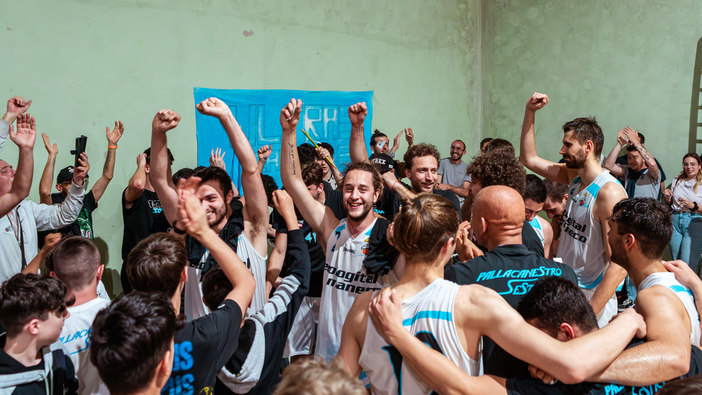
(354, 206)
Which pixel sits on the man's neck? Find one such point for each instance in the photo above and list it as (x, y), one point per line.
(455, 162)
(322, 197)
(644, 268)
(23, 348)
(503, 239)
(356, 227)
(148, 185)
(84, 295)
(589, 172)
(417, 276)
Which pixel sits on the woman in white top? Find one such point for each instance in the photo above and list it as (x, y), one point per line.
(685, 197)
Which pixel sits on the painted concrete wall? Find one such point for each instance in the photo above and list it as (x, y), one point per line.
(87, 63)
(627, 62)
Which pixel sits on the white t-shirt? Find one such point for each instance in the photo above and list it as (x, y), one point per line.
(75, 336)
(685, 189)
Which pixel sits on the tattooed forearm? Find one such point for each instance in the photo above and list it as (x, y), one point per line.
(292, 157)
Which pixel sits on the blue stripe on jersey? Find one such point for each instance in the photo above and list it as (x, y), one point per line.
(593, 189)
(594, 283)
(437, 315)
(679, 288)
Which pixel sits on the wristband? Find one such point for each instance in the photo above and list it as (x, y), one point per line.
(695, 207)
(391, 154)
(112, 146)
(178, 231)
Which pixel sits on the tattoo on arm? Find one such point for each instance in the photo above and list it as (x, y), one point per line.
(108, 160)
(292, 157)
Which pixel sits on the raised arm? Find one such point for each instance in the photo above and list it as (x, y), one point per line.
(137, 183)
(320, 217)
(264, 153)
(108, 169)
(191, 216)
(527, 147)
(47, 177)
(15, 106)
(48, 217)
(24, 138)
(164, 121)
(611, 161)
(256, 207)
(357, 143)
(647, 157)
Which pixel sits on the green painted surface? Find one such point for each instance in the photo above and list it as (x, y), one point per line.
(88, 63)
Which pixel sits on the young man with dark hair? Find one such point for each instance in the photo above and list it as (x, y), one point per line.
(452, 174)
(76, 261)
(483, 144)
(254, 367)
(592, 195)
(159, 264)
(141, 208)
(83, 226)
(358, 257)
(32, 310)
(331, 175)
(132, 344)
(641, 175)
(244, 232)
(554, 207)
(534, 197)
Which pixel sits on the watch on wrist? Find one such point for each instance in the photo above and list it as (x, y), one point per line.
(695, 207)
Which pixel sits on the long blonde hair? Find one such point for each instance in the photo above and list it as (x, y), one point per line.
(683, 176)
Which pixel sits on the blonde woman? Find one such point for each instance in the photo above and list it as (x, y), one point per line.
(685, 198)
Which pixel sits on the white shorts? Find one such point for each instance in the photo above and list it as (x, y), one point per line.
(303, 332)
(609, 310)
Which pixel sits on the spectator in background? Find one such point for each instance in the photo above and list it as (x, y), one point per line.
(624, 160)
(554, 206)
(331, 175)
(452, 174)
(484, 143)
(641, 175)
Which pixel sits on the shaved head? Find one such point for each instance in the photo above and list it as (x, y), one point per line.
(498, 216)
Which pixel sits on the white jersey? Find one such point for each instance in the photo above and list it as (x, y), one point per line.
(536, 225)
(582, 244)
(428, 315)
(196, 308)
(345, 278)
(683, 293)
(75, 336)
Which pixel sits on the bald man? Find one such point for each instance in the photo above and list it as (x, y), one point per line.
(508, 267)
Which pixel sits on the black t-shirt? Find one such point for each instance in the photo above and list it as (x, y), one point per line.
(335, 201)
(63, 373)
(531, 239)
(392, 204)
(532, 386)
(202, 348)
(139, 220)
(82, 226)
(511, 271)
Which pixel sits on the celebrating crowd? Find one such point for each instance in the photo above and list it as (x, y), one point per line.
(418, 276)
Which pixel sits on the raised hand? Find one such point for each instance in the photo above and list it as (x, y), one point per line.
(683, 273)
(396, 140)
(51, 149)
(357, 114)
(621, 137)
(80, 172)
(290, 115)
(214, 108)
(16, 106)
(409, 136)
(632, 135)
(323, 152)
(284, 204)
(26, 131)
(165, 120)
(217, 159)
(51, 240)
(191, 215)
(114, 136)
(465, 248)
(537, 101)
(264, 152)
(141, 160)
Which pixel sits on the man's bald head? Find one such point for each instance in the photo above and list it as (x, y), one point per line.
(498, 216)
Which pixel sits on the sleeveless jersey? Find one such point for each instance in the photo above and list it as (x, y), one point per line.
(538, 229)
(684, 294)
(345, 278)
(428, 315)
(582, 244)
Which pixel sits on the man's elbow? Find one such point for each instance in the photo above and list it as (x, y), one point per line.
(138, 185)
(575, 375)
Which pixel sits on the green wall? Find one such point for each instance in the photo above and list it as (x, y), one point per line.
(627, 62)
(87, 63)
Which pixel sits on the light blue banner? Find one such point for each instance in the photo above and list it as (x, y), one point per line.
(324, 116)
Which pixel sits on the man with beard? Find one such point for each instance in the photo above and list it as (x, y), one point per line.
(592, 194)
(452, 174)
(351, 243)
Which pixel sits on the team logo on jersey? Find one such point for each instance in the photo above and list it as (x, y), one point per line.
(365, 247)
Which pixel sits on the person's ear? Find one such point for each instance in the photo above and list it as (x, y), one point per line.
(146, 168)
(184, 275)
(483, 225)
(33, 326)
(52, 274)
(629, 240)
(58, 187)
(320, 188)
(567, 330)
(163, 370)
(565, 198)
(229, 197)
(100, 270)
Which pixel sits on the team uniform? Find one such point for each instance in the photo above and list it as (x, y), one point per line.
(683, 293)
(345, 277)
(536, 225)
(429, 316)
(582, 244)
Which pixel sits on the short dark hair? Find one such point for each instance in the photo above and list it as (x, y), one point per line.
(328, 147)
(535, 189)
(555, 190)
(556, 300)
(648, 220)
(75, 260)
(148, 156)
(156, 263)
(461, 141)
(365, 166)
(418, 151)
(376, 135)
(215, 287)
(495, 144)
(216, 174)
(498, 167)
(185, 173)
(312, 174)
(485, 141)
(685, 386)
(306, 153)
(586, 129)
(269, 186)
(130, 338)
(24, 297)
